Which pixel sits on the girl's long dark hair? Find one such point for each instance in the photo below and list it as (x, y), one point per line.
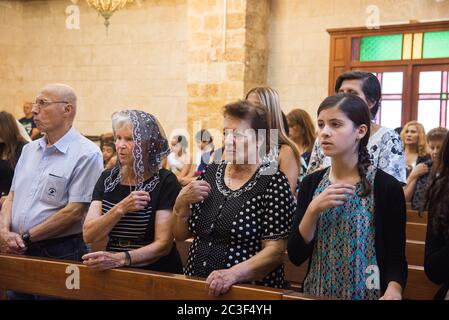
(10, 135)
(358, 112)
(437, 200)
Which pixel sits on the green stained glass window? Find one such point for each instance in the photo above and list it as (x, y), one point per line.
(377, 48)
(436, 44)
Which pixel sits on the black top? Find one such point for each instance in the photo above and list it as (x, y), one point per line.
(7, 172)
(229, 226)
(136, 229)
(389, 221)
(28, 124)
(436, 258)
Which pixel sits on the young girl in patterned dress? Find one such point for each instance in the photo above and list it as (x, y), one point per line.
(350, 221)
(384, 144)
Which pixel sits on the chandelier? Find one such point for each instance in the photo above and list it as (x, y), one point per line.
(107, 7)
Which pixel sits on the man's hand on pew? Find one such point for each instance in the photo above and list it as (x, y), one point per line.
(220, 281)
(11, 242)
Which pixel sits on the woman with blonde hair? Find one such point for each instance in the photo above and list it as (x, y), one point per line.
(413, 137)
(287, 156)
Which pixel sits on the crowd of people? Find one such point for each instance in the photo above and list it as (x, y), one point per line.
(333, 195)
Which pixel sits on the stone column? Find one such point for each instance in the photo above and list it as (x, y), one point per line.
(227, 55)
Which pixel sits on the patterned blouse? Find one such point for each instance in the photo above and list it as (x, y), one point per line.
(229, 226)
(343, 263)
(384, 147)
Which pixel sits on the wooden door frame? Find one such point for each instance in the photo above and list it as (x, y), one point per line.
(340, 59)
(405, 87)
(415, 89)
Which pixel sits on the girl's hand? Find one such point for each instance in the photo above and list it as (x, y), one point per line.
(333, 196)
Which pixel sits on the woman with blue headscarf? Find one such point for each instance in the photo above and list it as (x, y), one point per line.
(132, 203)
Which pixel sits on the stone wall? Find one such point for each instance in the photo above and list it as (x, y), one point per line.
(226, 56)
(11, 56)
(140, 63)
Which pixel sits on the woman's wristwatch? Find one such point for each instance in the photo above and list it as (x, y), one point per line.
(127, 259)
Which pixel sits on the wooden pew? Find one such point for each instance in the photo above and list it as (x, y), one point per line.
(48, 277)
(419, 287)
(416, 231)
(294, 274)
(415, 216)
(414, 252)
(415, 257)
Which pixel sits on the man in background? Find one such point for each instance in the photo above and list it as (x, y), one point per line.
(28, 122)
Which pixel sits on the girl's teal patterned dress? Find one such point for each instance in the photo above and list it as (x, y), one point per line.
(344, 263)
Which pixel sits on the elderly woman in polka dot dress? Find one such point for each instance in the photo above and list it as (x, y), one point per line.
(239, 211)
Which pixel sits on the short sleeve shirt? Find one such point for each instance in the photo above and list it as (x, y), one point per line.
(47, 178)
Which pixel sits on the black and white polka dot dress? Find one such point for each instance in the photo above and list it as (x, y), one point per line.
(229, 226)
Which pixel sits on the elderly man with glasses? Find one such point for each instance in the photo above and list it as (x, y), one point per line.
(52, 185)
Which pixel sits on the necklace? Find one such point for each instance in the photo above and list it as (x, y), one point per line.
(220, 177)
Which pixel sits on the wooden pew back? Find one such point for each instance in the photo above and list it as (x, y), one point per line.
(416, 231)
(415, 216)
(418, 286)
(48, 277)
(414, 251)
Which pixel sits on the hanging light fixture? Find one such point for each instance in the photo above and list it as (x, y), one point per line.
(107, 7)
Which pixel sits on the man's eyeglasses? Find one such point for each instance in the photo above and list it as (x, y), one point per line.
(41, 103)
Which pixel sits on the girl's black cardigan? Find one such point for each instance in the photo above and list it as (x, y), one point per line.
(389, 220)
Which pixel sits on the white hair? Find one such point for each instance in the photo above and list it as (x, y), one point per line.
(120, 119)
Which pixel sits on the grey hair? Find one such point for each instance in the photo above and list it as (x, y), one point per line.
(150, 147)
(120, 119)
